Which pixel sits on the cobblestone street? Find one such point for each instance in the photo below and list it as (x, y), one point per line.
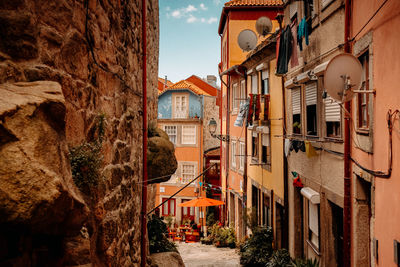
(199, 255)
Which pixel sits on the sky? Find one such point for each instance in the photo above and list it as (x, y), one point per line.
(189, 40)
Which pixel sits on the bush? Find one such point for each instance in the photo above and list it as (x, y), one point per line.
(157, 233)
(280, 258)
(305, 263)
(257, 250)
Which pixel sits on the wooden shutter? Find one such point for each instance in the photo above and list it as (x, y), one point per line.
(324, 3)
(265, 139)
(296, 105)
(332, 110)
(311, 94)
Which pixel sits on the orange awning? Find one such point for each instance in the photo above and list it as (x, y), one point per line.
(202, 202)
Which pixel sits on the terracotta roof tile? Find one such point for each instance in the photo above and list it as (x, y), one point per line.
(211, 90)
(187, 85)
(254, 3)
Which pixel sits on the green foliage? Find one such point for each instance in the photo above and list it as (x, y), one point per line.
(305, 263)
(169, 220)
(210, 217)
(86, 159)
(157, 233)
(257, 250)
(250, 219)
(280, 258)
(225, 237)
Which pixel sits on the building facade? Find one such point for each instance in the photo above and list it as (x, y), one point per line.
(375, 143)
(183, 109)
(237, 16)
(314, 126)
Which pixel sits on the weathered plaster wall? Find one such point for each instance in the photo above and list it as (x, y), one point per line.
(93, 49)
(210, 110)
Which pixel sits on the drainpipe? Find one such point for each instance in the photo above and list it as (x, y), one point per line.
(347, 212)
(143, 246)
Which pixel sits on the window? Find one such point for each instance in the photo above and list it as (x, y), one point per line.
(235, 97)
(309, 9)
(242, 156)
(254, 84)
(242, 91)
(363, 99)
(332, 117)
(313, 224)
(187, 212)
(180, 106)
(296, 110)
(265, 149)
(189, 134)
(311, 108)
(233, 154)
(254, 146)
(172, 132)
(266, 210)
(264, 82)
(188, 172)
(168, 207)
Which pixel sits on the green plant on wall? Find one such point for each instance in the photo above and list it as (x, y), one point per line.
(86, 159)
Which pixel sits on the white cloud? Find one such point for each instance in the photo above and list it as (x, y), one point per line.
(203, 20)
(212, 20)
(176, 14)
(191, 19)
(203, 7)
(190, 8)
(217, 2)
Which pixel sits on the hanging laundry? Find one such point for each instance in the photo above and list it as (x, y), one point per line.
(285, 51)
(266, 107)
(301, 146)
(257, 108)
(251, 111)
(302, 31)
(287, 147)
(294, 60)
(244, 107)
(310, 151)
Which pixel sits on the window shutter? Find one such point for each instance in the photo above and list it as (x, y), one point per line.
(324, 3)
(313, 217)
(296, 106)
(311, 94)
(254, 84)
(332, 110)
(264, 74)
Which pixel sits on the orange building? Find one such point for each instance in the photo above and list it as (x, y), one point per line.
(375, 149)
(181, 113)
(236, 16)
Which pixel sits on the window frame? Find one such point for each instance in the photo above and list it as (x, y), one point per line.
(254, 146)
(183, 134)
(300, 112)
(331, 107)
(190, 210)
(254, 75)
(242, 92)
(364, 59)
(168, 203)
(169, 136)
(242, 151)
(316, 135)
(183, 173)
(233, 154)
(262, 82)
(185, 113)
(268, 157)
(316, 247)
(235, 98)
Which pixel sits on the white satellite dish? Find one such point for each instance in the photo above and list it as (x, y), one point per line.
(247, 40)
(263, 26)
(342, 76)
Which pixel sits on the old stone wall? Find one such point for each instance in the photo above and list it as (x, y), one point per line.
(92, 48)
(210, 110)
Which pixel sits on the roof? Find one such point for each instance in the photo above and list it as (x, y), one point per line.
(211, 90)
(161, 83)
(186, 85)
(215, 151)
(245, 4)
(254, 3)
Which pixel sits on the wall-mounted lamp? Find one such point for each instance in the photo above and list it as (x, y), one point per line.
(212, 127)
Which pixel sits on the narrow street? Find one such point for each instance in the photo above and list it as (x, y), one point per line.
(199, 255)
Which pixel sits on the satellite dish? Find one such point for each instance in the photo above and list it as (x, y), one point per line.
(263, 26)
(343, 74)
(247, 40)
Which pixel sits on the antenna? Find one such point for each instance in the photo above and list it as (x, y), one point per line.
(247, 40)
(342, 77)
(263, 26)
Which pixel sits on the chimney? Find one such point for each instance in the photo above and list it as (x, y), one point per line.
(165, 82)
(212, 80)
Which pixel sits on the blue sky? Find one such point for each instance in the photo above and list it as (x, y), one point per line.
(189, 40)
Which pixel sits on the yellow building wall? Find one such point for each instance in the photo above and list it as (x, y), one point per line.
(271, 180)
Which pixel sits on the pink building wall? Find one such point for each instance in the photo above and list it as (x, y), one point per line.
(385, 57)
